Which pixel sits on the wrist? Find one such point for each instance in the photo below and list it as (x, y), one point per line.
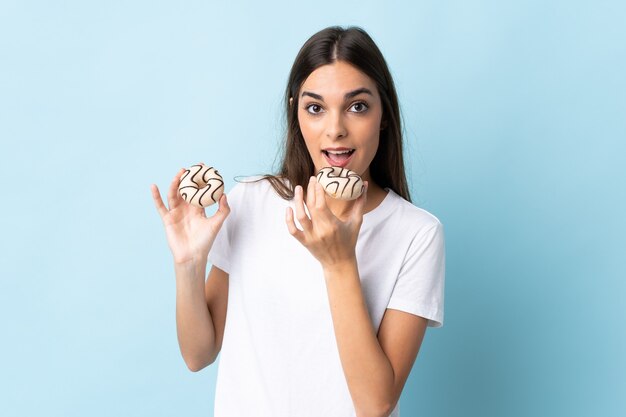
(194, 263)
(339, 268)
(189, 257)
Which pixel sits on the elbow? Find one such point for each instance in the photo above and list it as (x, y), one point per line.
(197, 362)
(384, 413)
(390, 407)
(375, 412)
(387, 411)
(198, 365)
(194, 367)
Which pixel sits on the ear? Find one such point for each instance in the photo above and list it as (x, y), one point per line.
(290, 101)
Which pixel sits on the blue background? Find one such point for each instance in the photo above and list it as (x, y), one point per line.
(516, 127)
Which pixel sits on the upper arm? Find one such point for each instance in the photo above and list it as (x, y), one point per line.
(400, 335)
(216, 295)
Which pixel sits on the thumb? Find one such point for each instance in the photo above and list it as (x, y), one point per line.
(359, 206)
(224, 209)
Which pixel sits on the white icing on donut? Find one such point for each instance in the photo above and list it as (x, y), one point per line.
(201, 186)
(341, 183)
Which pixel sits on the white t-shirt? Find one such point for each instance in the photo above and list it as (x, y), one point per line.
(279, 355)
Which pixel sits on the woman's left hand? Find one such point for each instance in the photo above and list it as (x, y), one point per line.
(329, 239)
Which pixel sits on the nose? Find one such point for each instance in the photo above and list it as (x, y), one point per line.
(335, 126)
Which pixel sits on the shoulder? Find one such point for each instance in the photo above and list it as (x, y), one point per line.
(419, 230)
(412, 216)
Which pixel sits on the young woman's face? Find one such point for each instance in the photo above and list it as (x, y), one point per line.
(339, 113)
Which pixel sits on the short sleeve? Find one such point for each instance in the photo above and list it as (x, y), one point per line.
(218, 255)
(221, 249)
(419, 288)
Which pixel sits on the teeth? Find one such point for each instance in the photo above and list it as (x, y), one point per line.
(339, 152)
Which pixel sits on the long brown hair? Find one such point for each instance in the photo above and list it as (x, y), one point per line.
(354, 46)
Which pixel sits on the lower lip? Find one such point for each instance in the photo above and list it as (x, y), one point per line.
(338, 164)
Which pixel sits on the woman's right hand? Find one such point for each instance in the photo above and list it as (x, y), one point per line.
(190, 234)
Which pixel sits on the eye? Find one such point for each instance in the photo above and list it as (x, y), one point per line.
(314, 108)
(359, 107)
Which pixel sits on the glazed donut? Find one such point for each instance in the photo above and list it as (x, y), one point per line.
(341, 183)
(201, 186)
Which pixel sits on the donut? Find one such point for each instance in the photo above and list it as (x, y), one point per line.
(201, 186)
(341, 183)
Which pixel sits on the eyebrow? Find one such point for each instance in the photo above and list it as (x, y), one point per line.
(347, 96)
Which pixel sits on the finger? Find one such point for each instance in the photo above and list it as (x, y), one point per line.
(320, 197)
(301, 215)
(321, 208)
(291, 226)
(359, 206)
(158, 201)
(310, 194)
(173, 198)
(224, 209)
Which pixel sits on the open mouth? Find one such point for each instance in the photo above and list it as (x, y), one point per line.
(339, 158)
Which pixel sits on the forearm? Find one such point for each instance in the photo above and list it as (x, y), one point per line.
(194, 325)
(368, 372)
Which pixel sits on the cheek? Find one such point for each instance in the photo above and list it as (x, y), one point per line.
(307, 134)
(310, 132)
(373, 149)
(372, 143)
(370, 132)
(306, 126)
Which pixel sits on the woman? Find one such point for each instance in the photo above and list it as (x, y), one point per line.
(318, 306)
